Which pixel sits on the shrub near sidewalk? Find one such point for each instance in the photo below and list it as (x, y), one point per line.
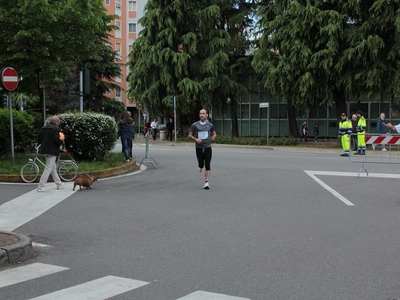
(256, 141)
(88, 136)
(23, 130)
(112, 160)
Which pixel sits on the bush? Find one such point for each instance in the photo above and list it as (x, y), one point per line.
(242, 140)
(88, 136)
(24, 131)
(283, 141)
(256, 141)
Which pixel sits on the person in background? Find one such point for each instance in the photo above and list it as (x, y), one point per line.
(147, 125)
(203, 132)
(361, 126)
(316, 132)
(127, 133)
(153, 126)
(304, 132)
(381, 128)
(50, 142)
(345, 130)
(145, 128)
(170, 129)
(393, 127)
(354, 122)
(131, 141)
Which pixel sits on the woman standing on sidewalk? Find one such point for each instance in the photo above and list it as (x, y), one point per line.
(127, 133)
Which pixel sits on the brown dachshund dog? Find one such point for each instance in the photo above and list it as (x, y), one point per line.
(86, 182)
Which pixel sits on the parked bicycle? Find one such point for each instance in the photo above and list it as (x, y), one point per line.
(66, 169)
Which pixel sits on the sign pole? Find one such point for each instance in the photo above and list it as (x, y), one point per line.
(9, 78)
(81, 90)
(11, 128)
(175, 116)
(268, 125)
(266, 105)
(44, 106)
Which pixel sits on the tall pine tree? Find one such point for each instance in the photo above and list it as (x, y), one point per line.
(317, 53)
(187, 48)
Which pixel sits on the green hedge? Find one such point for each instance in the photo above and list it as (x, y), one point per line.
(256, 141)
(88, 136)
(24, 131)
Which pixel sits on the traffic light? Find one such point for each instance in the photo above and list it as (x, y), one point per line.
(4, 102)
(171, 101)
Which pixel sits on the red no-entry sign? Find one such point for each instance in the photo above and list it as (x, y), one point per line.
(9, 78)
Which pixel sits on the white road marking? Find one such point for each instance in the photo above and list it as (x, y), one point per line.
(313, 175)
(353, 174)
(28, 272)
(39, 245)
(102, 288)
(24, 208)
(328, 188)
(201, 295)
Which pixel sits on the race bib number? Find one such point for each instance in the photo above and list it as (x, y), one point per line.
(203, 135)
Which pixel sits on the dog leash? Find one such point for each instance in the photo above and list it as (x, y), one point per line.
(79, 168)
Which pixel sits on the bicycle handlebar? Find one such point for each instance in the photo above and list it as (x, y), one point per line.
(37, 146)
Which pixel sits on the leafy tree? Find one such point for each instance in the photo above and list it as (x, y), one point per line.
(50, 36)
(103, 69)
(187, 49)
(316, 53)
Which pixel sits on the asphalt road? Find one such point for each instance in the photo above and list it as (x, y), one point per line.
(276, 224)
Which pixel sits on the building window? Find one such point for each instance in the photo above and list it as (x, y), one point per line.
(132, 27)
(118, 30)
(118, 4)
(118, 51)
(117, 93)
(107, 2)
(132, 5)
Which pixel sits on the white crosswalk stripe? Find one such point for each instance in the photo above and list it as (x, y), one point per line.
(28, 272)
(201, 295)
(99, 289)
(25, 208)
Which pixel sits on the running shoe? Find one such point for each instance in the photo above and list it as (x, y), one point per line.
(206, 186)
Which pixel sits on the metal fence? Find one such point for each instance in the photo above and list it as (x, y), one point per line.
(383, 149)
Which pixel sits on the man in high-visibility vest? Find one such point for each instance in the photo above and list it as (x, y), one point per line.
(345, 129)
(361, 126)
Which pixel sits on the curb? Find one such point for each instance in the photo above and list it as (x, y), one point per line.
(15, 252)
(131, 166)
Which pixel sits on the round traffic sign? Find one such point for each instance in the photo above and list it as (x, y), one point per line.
(9, 78)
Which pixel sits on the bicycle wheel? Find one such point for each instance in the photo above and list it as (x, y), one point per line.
(68, 171)
(29, 172)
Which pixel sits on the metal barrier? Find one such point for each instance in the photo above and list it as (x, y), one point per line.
(374, 153)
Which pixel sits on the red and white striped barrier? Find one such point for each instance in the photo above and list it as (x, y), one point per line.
(382, 140)
(390, 154)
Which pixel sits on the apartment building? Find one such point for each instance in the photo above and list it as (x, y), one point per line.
(129, 12)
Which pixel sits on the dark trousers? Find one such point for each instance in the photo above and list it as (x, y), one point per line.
(154, 134)
(204, 157)
(354, 142)
(169, 135)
